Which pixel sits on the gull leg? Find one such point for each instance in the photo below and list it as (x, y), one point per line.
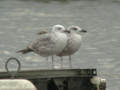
(52, 62)
(47, 61)
(70, 62)
(61, 62)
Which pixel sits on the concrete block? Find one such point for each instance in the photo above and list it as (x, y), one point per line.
(16, 84)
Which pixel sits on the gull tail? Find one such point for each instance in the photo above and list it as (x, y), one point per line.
(25, 51)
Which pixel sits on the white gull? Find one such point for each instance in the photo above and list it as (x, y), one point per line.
(73, 44)
(48, 44)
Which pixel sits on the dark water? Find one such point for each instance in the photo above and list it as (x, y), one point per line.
(20, 20)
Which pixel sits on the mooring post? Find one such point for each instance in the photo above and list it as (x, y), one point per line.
(102, 85)
(99, 82)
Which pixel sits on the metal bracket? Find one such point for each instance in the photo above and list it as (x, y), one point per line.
(12, 73)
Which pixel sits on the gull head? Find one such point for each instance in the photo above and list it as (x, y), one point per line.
(58, 28)
(76, 29)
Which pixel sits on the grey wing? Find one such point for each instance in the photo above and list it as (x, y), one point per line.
(41, 43)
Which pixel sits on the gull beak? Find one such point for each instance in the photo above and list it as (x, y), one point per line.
(83, 30)
(42, 32)
(67, 31)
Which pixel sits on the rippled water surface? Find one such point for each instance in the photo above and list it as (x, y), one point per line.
(20, 20)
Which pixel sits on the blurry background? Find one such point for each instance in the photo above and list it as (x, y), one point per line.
(20, 20)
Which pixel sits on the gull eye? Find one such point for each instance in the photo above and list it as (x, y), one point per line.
(75, 29)
(59, 28)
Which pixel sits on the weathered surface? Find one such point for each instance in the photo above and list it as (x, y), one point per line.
(16, 84)
(34, 74)
(63, 79)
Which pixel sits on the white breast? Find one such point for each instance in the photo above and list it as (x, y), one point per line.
(60, 40)
(73, 45)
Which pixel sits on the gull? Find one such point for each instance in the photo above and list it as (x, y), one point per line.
(50, 44)
(73, 43)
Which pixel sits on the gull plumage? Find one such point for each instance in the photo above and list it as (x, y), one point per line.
(48, 44)
(73, 43)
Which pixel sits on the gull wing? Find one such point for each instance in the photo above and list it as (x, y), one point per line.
(41, 43)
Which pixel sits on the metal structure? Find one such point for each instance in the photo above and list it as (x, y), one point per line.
(60, 79)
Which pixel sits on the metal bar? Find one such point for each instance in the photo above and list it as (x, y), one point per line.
(33, 74)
